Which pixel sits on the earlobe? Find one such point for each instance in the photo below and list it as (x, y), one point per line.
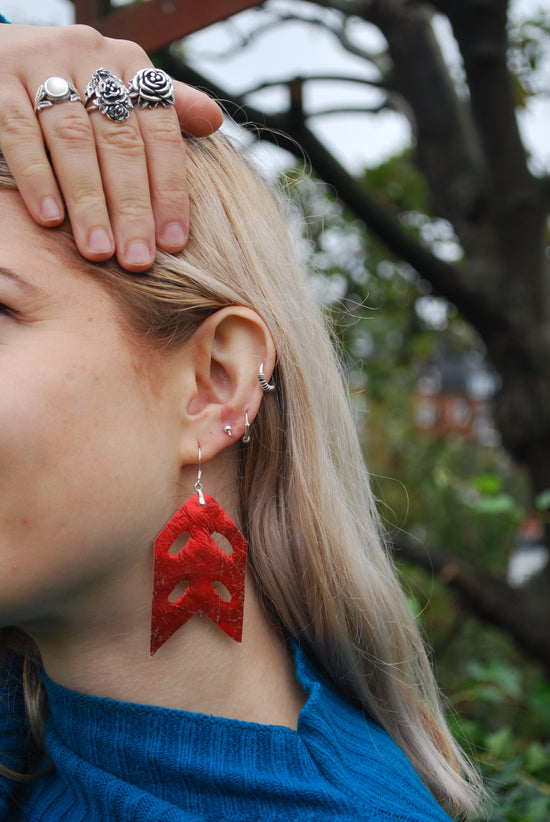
(228, 352)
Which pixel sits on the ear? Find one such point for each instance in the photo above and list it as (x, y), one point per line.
(226, 352)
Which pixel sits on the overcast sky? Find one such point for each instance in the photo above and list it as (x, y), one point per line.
(306, 50)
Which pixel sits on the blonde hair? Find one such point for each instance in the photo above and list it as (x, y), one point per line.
(315, 544)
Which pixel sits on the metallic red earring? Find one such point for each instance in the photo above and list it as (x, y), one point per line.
(197, 568)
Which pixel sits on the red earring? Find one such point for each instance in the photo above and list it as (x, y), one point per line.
(199, 565)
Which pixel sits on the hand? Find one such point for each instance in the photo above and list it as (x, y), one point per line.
(123, 184)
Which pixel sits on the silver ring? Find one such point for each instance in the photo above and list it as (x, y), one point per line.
(55, 90)
(152, 87)
(107, 93)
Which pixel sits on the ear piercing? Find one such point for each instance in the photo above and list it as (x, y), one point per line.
(246, 436)
(267, 387)
(263, 382)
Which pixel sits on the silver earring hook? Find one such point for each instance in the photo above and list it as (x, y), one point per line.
(198, 484)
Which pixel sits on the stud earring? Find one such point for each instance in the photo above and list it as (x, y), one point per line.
(263, 382)
(228, 430)
(200, 568)
(246, 436)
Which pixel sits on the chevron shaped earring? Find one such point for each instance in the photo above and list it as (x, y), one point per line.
(197, 568)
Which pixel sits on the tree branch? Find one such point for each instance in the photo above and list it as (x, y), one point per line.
(377, 216)
(329, 112)
(490, 598)
(279, 19)
(481, 32)
(448, 153)
(349, 8)
(325, 78)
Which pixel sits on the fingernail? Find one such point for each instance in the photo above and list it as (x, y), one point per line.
(138, 253)
(50, 211)
(99, 242)
(174, 236)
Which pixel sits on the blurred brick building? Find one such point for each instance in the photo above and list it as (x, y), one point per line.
(453, 396)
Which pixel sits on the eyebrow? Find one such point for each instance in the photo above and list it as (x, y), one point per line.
(28, 288)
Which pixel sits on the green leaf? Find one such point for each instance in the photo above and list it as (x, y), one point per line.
(537, 758)
(542, 500)
(501, 743)
(538, 810)
(497, 504)
(487, 484)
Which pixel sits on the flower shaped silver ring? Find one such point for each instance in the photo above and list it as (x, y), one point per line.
(152, 87)
(107, 93)
(55, 90)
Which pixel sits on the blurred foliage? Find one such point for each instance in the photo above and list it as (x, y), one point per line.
(505, 715)
(528, 55)
(450, 493)
(498, 705)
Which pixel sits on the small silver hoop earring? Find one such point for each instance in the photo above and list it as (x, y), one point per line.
(263, 382)
(246, 436)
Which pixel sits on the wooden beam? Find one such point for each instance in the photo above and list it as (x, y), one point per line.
(157, 23)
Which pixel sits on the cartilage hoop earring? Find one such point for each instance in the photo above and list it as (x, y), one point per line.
(246, 436)
(263, 382)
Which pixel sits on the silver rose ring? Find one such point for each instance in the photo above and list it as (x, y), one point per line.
(152, 87)
(107, 93)
(55, 90)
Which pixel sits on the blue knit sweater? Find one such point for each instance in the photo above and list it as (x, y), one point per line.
(134, 763)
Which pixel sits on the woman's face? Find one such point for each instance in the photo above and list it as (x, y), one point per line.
(88, 443)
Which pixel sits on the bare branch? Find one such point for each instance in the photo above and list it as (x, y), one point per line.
(378, 217)
(328, 78)
(349, 8)
(328, 112)
(352, 48)
(373, 57)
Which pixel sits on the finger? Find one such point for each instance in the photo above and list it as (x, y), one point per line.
(165, 154)
(198, 114)
(69, 137)
(123, 166)
(22, 145)
(110, 198)
(165, 149)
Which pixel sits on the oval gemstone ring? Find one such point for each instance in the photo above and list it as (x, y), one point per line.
(55, 90)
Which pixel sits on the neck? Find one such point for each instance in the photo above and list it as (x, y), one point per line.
(198, 669)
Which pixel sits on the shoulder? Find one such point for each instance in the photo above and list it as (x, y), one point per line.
(14, 729)
(358, 759)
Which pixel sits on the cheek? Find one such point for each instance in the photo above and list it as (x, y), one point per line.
(84, 479)
(53, 427)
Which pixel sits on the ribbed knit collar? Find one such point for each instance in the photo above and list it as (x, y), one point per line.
(173, 754)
